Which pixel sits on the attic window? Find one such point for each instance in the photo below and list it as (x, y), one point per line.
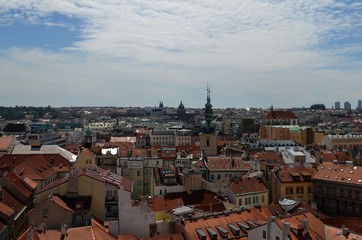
(235, 230)
(201, 234)
(212, 233)
(223, 232)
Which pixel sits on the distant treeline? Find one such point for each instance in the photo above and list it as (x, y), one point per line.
(20, 112)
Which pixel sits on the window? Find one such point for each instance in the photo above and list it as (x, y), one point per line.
(309, 189)
(240, 202)
(264, 234)
(262, 198)
(207, 143)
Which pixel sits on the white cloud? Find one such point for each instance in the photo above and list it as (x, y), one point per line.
(257, 46)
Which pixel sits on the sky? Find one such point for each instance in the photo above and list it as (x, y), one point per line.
(251, 53)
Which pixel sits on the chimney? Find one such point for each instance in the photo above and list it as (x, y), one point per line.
(345, 231)
(300, 210)
(286, 230)
(305, 225)
(269, 226)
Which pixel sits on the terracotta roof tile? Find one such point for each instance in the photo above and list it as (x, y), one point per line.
(30, 183)
(341, 173)
(6, 210)
(247, 185)
(18, 184)
(353, 223)
(286, 174)
(315, 226)
(227, 163)
(279, 114)
(29, 234)
(57, 200)
(336, 234)
(10, 200)
(254, 215)
(5, 142)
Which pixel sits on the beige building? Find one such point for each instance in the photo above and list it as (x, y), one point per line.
(50, 214)
(348, 141)
(85, 191)
(247, 192)
(301, 135)
(292, 183)
(85, 159)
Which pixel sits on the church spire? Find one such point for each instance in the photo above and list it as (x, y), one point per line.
(208, 125)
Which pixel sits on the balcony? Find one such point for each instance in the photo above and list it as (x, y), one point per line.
(113, 199)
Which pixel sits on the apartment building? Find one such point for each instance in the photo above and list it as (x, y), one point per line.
(247, 192)
(338, 189)
(339, 141)
(292, 183)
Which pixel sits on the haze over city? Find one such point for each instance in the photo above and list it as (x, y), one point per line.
(137, 53)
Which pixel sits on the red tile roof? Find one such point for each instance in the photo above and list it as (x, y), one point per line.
(336, 234)
(35, 166)
(30, 183)
(11, 201)
(199, 199)
(305, 174)
(247, 185)
(79, 233)
(340, 173)
(15, 181)
(353, 223)
(29, 234)
(257, 216)
(6, 210)
(280, 114)
(227, 163)
(55, 200)
(315, 226)
(5, 142)
(98, 174)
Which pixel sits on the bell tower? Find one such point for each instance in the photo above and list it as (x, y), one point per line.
(208, 137)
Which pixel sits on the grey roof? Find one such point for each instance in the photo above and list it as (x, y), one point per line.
(45, 149)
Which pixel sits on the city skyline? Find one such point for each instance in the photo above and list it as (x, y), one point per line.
(137, 53)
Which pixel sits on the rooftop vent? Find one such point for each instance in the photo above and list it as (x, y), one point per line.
(223, 232)
(212, 233)
(201, 234)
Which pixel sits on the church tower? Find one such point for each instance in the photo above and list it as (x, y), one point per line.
(208, 137)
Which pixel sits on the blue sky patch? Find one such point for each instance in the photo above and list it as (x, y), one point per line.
(51, 32)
